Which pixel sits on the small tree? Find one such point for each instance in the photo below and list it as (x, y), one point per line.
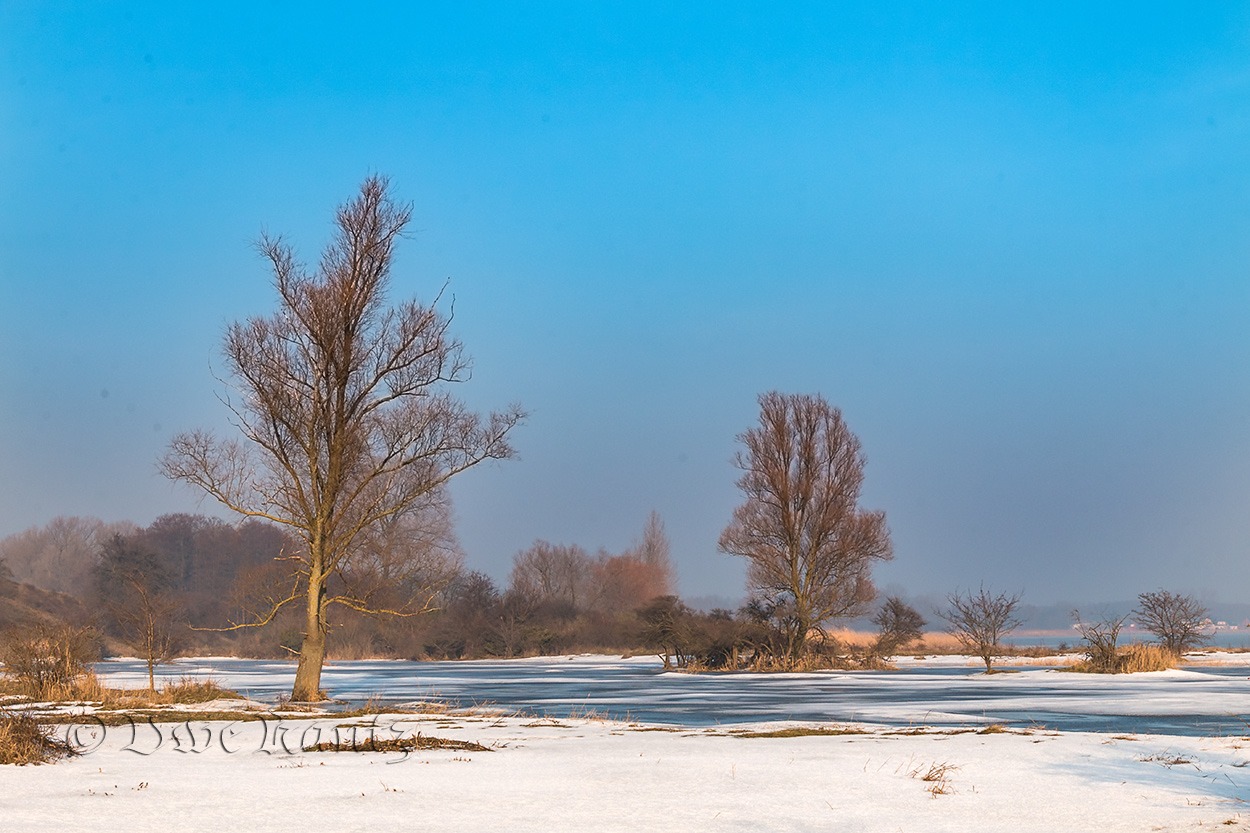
(666, 629)
(898, 625)
(133, 585)
(1178, 621)
(980, 620)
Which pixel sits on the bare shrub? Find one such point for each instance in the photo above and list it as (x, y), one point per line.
(667, 630)
(24, 740)
(1104, 656)
(980, 620)
(1101, 637)
(47, 660)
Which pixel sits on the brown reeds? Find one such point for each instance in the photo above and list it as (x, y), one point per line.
(24, 740)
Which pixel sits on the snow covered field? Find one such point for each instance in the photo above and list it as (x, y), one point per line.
(559, 773)
(580, 775)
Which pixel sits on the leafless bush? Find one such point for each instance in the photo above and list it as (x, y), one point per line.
(1101, 637)
(47, 659)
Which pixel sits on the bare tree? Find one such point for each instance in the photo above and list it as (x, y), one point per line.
(810, 546)
(407, 559)
(980, 620)
(898, 625)
(554, 574)
(1178, 621)
(59, 555)
(133, 585)
(342, 408)
(656, 552)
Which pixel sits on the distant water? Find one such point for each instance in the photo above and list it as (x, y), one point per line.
(1221, 639)
(1197, 701)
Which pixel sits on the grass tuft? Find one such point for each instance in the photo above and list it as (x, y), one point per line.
(24, 740)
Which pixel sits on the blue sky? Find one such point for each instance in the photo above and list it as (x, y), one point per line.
(1013, 245)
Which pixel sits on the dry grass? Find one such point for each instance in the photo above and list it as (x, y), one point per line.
(1137, 658)
(24, 740)
(408, 744)
(192, 690)
(84, 688)
(88, 689)
(944, 644)
(937, 775)
(1132, 659)
(802, 732)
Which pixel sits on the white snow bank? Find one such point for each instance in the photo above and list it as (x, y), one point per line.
(585, 775)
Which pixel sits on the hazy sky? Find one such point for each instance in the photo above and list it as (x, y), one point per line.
(1012, 244)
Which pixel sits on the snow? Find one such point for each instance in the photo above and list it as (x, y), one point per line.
(585, 773)
(582, 774)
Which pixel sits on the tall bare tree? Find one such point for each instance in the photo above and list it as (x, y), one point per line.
(655, 552)
(810, 546)
(342, 406)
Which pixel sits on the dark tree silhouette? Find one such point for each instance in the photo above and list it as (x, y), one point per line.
(898, 625)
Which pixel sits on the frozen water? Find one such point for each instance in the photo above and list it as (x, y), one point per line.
(1196, 701)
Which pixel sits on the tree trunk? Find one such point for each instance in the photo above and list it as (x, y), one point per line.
(312, 653)
(798, 642)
